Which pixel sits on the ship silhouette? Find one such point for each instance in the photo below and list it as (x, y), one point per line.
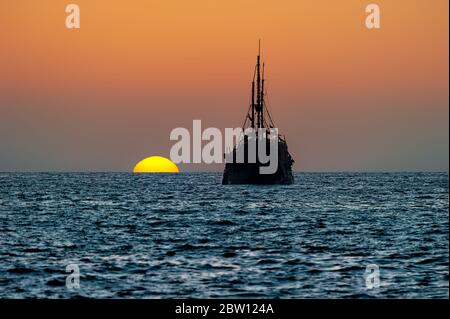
(257, 121)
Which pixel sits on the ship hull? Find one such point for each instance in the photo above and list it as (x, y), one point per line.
(249, 173)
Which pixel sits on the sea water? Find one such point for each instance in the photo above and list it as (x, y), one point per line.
(187, 236)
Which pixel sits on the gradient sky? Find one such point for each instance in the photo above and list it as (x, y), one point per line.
(105, 96)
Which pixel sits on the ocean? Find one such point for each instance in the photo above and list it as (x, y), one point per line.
(187, 236)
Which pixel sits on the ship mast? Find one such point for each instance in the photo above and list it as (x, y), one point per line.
(257, 106)
(262, 97)
(253, 102)
(258, 85)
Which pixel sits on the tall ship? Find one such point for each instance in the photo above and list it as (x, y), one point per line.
(257, 125)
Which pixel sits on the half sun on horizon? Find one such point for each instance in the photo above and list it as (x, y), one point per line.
(155, 164)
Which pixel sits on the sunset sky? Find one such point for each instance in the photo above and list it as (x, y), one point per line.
(107, 95)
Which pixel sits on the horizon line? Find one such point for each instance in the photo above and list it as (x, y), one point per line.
(189, 172)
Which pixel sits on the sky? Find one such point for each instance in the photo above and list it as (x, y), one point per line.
(105, 96)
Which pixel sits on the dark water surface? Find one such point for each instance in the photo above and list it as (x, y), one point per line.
(185, 235)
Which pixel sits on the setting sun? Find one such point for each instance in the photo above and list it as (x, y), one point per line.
(155, 164)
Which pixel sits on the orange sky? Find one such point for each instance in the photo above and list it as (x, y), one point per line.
(107, 95)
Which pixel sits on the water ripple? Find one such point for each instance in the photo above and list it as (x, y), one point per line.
(186, 235)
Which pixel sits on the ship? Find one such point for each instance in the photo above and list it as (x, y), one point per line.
(257, 125)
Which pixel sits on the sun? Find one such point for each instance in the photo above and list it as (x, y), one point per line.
(155, 164)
